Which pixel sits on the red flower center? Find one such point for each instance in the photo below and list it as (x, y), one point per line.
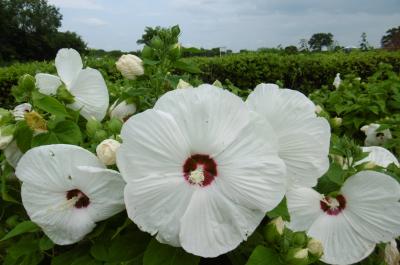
(82, 200)
(200, 170)
(333, 206)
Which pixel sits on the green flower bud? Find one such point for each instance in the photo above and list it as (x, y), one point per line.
(114, 125)
(297, 256)
(274, 230)
(100, 135)
(64, 95)
(175, 51)
(299, 239)
(147, 52)
(27, 83)
(183, 84)
(336, 122)
(156, 42)
(315, 247)
(217, 83)
(92, 126)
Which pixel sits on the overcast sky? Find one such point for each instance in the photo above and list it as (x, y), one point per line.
(236, 24)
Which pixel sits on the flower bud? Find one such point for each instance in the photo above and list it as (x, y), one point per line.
(122, 111)
(106, 151)
(100, 135)
(297, 256)
(315, 247)
(175, 51)
(337, 122)
(183, 84)
(217, 83)
(274, 230)
(147, 52)
(20, 110)
(130, 66)
(114, 125)
(318, 109)
(392, 255)
(156, 42)
(36, 122)
(299, 239)
(92, 126)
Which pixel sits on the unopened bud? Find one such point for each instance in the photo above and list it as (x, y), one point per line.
(392, 255)
(183, 84)
(274, 230)
(297, 256)
(106, 151)
(318, 109)
(337, 122)
(315, 247)
(130, 66)
(299, 239)
(217, 83)
(92, 126)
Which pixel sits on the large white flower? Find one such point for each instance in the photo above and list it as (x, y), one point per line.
(378, 156)
(66, 189)
(86, 85)
(366, 212)
(198, 175)
(303, 138)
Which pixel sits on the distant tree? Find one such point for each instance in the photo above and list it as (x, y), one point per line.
(391, 40)
(318, 40)
(364, 45)
(291, 49)
(68, 39)
(303, 43)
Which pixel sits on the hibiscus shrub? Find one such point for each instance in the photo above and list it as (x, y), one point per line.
(169, 173)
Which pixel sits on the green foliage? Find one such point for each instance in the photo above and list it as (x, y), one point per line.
(318, 40)
(391, 40)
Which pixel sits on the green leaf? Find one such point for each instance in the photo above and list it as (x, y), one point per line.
(66, 257)
(21, 228)
(335, 174)
(49, 104)
(45, 243)
(68, 132)
(184, 66)
(264, 256)
(23, 135)
(44, 139)
(280, 210)
(161, 254)
(86, 260)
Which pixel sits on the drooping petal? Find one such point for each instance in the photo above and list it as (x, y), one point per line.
(48, 209)
(250, 173)
(304, 208)
(379, 156)
(105, 189)
(213, 225)
(49, 166)
(152, 144)
(209, 116)
(342, 244)
(90, 94)
(47, 84)
(303, 137)
(68, 63)
(156, 204)
(373, 206)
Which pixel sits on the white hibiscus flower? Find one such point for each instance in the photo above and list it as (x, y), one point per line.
(303, 138)
(86, 85)
(66, 189)
(366, 212)
(378, 156)
(198, 175)
(373, 137)
(20, 111)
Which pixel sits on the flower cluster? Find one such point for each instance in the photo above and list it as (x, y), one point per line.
(198, 170)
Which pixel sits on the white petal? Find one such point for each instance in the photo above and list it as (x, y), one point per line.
(342, 244)
(379, 156)
(105, 189)
(156, 204)
(13, 154)
(209, 116)
(250, 172)
(303, 137)
(47, 209)
(373, 206)
(304, 207)
(91, 94)
(152, 144)
(47, 84)
(69, 64)
(213, 225)
(50, 166)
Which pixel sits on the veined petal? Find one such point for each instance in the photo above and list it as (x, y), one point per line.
(49, 166)
(209, 116)
(342, 244)
(68, 63)
(47, 84)
(379, 156)
(90, 94)
(104, 187)
(373, 207)
(152, 144)
(304, 207)
(213, 225)
(63, 225)
(156, 204)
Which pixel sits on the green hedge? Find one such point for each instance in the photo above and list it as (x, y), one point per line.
(305, 72)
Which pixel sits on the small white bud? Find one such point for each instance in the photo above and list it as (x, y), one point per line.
(183, 84)
(130, 66)
(106, 151)
(122, 111)
(315, 247)
(301, 254)
(392, 255)
(318, 109)
(279, 224)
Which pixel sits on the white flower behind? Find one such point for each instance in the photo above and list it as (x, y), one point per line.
(87, 86)
(122, 110)
(373, 137)
(20, 111)
(198, 175)
(337, 81)
(66, 190)
(364, 213)
(378, 156)
(303, 138)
